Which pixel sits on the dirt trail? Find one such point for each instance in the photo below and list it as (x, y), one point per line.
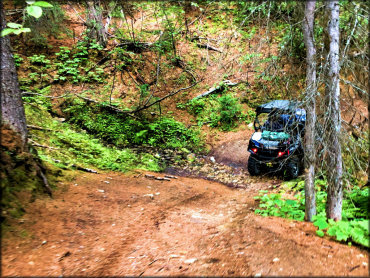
(231, 148)
(112, 224)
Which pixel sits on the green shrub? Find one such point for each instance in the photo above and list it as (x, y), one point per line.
(223, 112)
(73, 64)
(123, 131)
(354, 226)
(196, 106)
(229, 111)
(72, 147)
(17, 60)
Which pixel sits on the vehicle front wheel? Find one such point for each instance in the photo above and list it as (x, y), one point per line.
(292, 168)
(254, 167)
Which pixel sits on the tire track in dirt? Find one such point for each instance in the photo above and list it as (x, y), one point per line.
(157, 216)
(188, 226)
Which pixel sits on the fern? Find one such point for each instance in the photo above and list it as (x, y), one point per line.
(354, 226)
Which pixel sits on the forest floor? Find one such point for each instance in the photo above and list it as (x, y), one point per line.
(114, 224)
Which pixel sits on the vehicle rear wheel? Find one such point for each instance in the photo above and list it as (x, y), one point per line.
(254, 167)
(292, 168)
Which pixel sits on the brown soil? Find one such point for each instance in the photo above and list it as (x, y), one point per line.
(109, 224)
(231, 147)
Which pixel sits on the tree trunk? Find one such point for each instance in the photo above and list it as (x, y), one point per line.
(12, 110)
(332, 93)
(310, 150)
(95, 23)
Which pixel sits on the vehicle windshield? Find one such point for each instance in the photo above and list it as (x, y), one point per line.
(274, 121)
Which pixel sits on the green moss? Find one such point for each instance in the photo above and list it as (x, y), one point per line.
(67, 146)
(124, 131)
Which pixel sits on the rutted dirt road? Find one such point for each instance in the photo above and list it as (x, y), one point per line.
(113, 224)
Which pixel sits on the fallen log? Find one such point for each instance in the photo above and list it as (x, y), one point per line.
(217, 88)
(202, 38)
(75, 166)
(41, 146)
(210, 47)
(84, 169)
(38, 128)
(136, 47)
(109, 107)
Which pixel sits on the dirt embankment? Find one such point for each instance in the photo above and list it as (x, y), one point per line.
(116, 224)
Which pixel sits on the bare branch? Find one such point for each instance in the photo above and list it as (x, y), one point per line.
(83, 21)
(38, 128)
(41, 95)
(165, 97)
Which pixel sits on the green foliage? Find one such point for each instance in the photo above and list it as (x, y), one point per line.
(122, 57)
(223, 112)
(49, 24)
(249, 116)
(196, 106)
(355, 230)
(33, 10)
(125, 131)
(17, 60)
(275, 205)
(85, 150)
(349, 13)
(229, 110)
(40, 60)
(72, 65)
(14, 28)
(248, 58)
(39, 99)
(353, 227)
(80, 148)
(291, 41)
(257, 10)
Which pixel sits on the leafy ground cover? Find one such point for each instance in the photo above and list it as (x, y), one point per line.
(354, 226)
(65, 146)
(124, 131)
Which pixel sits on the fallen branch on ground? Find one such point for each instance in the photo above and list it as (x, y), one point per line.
(41, 146)
(146, 105)
(37, 94)
(75, 166)
(84, 169)
(202, 38)
(110, 107)
(44, 180)
(210, 47)
(163, 98)
(215, 89)
(78, 15)
(38, 128)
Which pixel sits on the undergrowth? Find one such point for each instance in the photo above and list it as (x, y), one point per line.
(65, 146)
(223, 112)
(354, 226)
(123, 131)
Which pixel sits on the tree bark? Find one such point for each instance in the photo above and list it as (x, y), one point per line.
(12, 110)
(95, 23)
(309, 142)
(332, 94)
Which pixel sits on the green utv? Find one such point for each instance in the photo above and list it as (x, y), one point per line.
(276, 145)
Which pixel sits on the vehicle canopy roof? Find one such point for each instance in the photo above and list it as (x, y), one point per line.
(285, 106)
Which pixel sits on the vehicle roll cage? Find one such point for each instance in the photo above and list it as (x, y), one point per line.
(276, 107)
